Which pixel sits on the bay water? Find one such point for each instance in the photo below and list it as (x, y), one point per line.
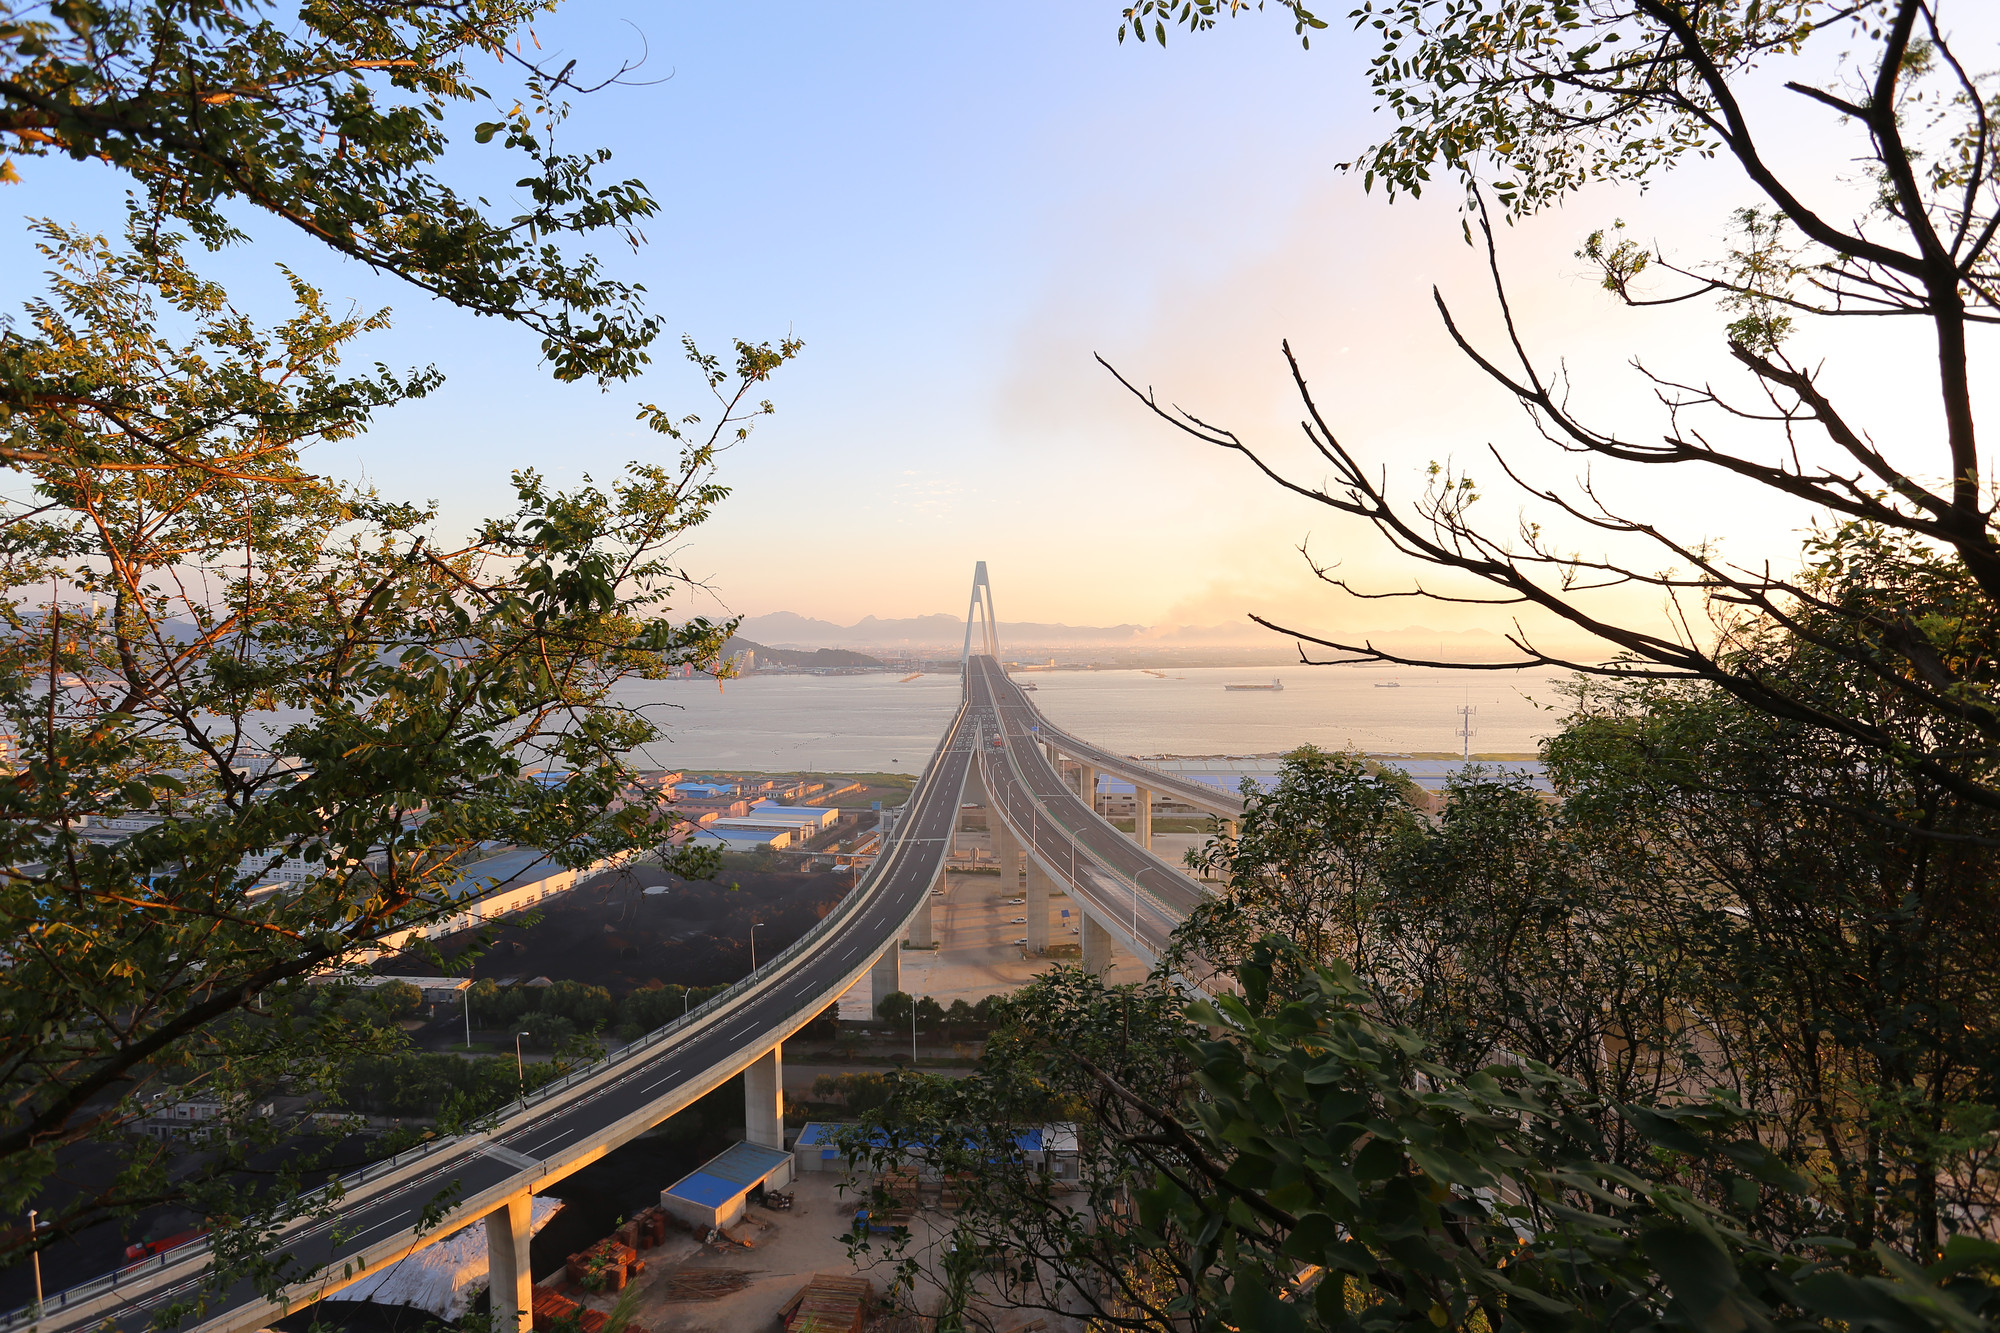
(881, 723)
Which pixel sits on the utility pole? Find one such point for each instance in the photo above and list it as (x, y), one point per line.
(520, 1065)
(1465, 730)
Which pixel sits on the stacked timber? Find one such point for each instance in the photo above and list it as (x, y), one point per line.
(552, 1309)
(830, 1303)
(899, 1185)
(605, 1266)
(643, 1232)
(956, 1187)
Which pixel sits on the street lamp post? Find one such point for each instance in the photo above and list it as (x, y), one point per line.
(468, 1020)
(753, 944)
(520, 1065)
(34, 1230)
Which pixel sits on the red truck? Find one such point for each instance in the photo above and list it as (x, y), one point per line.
(146, 1249)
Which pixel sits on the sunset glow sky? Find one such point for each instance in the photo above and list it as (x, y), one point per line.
(955, 207)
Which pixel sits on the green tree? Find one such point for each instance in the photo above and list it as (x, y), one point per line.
(895, 1008)
(215, 663)
(334, 121)
(1528, 104)
(1293, 1163)
(1841, 990)
(1306, 863)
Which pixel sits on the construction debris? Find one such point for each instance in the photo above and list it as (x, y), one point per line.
(700, 1284)
(830, 1303)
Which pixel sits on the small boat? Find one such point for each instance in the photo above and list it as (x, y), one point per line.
(907, 679)
(1149, 671)
(1029, 686)
(1388, 684)
(1275, 684)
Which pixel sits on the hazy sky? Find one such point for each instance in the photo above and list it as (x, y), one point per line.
(955, 207)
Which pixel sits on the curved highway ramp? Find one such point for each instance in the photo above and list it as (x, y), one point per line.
(997, 739)
(565, 1126)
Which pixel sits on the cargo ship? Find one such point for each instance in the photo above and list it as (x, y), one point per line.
(1275, 684)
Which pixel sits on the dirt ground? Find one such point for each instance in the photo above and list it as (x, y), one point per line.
(790, 1247)
(975, 929)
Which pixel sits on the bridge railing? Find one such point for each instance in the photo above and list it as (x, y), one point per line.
(144, 1269)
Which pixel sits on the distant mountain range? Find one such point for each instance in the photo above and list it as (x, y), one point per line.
(798, 657)
(790, 630)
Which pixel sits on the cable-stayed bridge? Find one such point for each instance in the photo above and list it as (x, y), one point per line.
(997, 746)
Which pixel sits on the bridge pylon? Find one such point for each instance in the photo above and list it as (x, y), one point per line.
(981, 608)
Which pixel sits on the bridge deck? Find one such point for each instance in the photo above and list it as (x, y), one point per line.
(1127, 887)
(386, 1213)
(538, 1144)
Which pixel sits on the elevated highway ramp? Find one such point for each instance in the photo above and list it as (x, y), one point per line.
(396, 1206)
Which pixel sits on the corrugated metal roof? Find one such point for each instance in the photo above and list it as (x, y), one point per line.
(728, 1174)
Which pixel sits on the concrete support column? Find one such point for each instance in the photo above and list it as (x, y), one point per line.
(513, 1282)
(764, 1100)
(887, 975)
(1039, 884)
(1229, 829)
(1007, 851)
(920, 925)
(1086, 785)
(1142, 817)
(1096, 946)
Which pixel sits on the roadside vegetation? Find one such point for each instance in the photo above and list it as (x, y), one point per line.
(1708, 1041)
(216, 659)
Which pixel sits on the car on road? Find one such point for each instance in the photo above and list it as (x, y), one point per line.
(1016, 902)
(1018, 921)
(1023, 941)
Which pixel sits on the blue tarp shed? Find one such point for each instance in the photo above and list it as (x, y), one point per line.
(713, 1194)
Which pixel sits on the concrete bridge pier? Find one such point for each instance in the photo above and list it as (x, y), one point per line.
(1039, 884)
(1086, 785)
(886, 976)
(1006, 851)
(1142, 817)
(513, 1285)
(920, 925)
(764, 1099)
(1096, 946)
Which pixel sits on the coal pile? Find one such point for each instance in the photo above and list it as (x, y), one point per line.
(612, 932)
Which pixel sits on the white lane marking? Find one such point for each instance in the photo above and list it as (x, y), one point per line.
(378, 1226)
